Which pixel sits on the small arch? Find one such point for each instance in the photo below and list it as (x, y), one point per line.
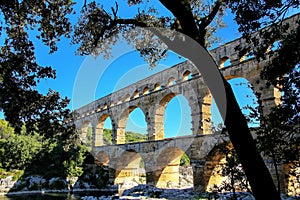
(127, 97)
(171, 81)
(146, 90)
(274, 47)
(130, 169)
(119, 100)
(135, 94)
(157, 87)
(224, 62)
(98, 109)
(187, 75)
(112, 103)
(104, 106)
(249, 55)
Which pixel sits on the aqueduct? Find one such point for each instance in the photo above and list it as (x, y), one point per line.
(151, 95)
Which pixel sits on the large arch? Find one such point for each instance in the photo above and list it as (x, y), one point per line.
(246, 98)
(221, 172)
(159, 118)
(99, 139)
(129, 169)
(168, 170)
(122, 124)
(136, 127)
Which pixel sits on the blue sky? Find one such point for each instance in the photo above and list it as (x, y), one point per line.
(85, 78)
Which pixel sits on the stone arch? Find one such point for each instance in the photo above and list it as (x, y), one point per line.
(119, 100)
(129, 169)
(187, 75)
(112, 103)
(99, 137)
(273, 46)
(212, 167)
(167, 174)
(146, 90)
(135, 94)
(127, 98)
(171, 81)
(157, 86)
(122, 123)
(160, 114)
(102, 158)
(104, 106)
(224, 62)
(98, 109)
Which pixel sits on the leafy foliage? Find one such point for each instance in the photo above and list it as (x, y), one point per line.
(185, 161)
(34, 152)
(19, 71)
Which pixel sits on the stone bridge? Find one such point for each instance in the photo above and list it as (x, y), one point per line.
(161, 160)
(161, 156)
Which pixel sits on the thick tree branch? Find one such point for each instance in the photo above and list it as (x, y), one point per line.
(183, 12)
(209, 18)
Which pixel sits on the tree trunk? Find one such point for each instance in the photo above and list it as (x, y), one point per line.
(255, 169)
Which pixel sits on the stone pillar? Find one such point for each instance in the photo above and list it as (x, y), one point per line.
(206, 114)
(159, 126)
(120, 135)
(198, 175)
(98, 136)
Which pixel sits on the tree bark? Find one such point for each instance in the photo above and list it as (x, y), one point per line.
(258, 175)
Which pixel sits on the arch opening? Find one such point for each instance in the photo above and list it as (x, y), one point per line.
(104, 131)
(130, 170)
(171, 81)
(146, 91)
(222, 173)
(174, 169)
(157, 87)
(247, 101)
(172, 117)
(132, 128)
(224, 62)
(135, 94)
(136, 127)
(187, 75)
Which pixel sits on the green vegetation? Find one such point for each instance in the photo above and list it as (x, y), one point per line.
(34, 154)
(107, 136)
(185, 161)
(131, 137)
